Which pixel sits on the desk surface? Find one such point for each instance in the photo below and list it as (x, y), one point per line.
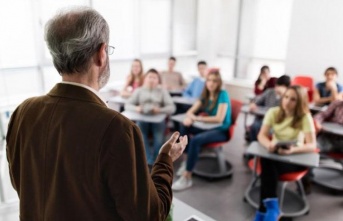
(117, 99)
(157, 118)
(184, 100)
(333, 128)
(201, 125)
(260, 111)
(182, 211)
(303, 159)
(315, 108)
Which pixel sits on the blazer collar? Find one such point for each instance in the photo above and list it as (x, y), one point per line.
(75, 92)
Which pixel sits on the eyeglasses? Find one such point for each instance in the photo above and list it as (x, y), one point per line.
(110, 50)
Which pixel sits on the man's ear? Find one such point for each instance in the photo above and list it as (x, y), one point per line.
(101, 55)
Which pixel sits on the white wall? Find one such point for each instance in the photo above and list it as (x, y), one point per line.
(315, 40)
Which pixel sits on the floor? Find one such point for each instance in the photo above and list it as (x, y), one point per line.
(222, 200)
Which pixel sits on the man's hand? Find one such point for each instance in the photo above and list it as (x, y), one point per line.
(173, 149)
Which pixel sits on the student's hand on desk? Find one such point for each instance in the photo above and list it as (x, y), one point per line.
(187, 122)
(286, 152)
(252, 107)
(139, 109)
(271, 148)
(156, 110)
(173, 149)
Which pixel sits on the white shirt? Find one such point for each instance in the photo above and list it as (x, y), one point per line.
(87, 87)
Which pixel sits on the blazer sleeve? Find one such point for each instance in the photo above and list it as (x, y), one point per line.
(136, 194)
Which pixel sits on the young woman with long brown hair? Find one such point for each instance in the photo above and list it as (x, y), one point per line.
(215, 104)
(290, 121)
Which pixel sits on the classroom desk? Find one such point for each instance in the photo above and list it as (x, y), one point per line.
(118, 100)
(333, 128)
(303, 159)
(315, 109)
(294, 204)
(176, 92)
(157, 118)
(201, 125)
(325, 175)
(184, 100)
(250, 97)
(182, 212)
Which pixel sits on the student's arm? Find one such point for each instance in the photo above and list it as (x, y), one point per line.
(320, 100)
(263, 135)
(218, 118)
(191, 111)
(168, 104)
(327, 114)
(189, 89)
(263, 138)
(182, 82)
(132, 104)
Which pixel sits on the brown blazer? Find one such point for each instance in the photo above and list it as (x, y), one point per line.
(72, 158)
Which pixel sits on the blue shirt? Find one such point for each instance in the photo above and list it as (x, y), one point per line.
(325, 93)
(194, 89)
(223, 98)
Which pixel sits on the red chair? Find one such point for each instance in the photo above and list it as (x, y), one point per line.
(252, 193)
(210, 166)
(307, 82)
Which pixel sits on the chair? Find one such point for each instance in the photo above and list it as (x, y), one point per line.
(292, 204)
(329, 177)
(216, 166)
(307, 82)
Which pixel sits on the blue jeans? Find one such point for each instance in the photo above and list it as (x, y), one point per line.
(255, 129)
(199, 139)
(157, 131)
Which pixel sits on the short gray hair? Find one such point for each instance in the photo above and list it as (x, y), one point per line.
(73, 36)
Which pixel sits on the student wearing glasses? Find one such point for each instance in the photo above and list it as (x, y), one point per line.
(290, 121)
(213, 107)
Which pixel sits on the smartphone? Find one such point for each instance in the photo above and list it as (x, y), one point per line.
(286, 145)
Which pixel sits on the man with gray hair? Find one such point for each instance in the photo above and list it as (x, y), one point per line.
(72, 158)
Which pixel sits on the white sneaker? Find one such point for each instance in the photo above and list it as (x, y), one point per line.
(182, 183)
(181, 169)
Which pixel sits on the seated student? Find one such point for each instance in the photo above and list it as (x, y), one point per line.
(134, 80)
(290, 121)
(194, 89)
(171, 79)
(328, 142)
(270, 98)
(151, 99)
(215, 102)
(262, 80)
(328, 91)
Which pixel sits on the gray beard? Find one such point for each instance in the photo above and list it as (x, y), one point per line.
(104, 76)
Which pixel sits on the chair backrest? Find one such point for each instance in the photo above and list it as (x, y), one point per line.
(307, 82)
(236, 106)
